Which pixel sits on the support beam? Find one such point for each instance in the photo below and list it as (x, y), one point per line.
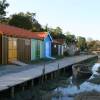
(45, 77)
(12, 92)
(32, 83)
(65, 70)
(58, 70)
(23, 86)
(51, 76)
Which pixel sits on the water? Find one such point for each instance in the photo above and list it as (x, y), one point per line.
(78, 86)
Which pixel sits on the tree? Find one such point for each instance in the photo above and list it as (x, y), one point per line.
(19, 20)
(93, 45)
(26, 21)
(56, 33)
(3, 6)
(81, 42)
(70, 39)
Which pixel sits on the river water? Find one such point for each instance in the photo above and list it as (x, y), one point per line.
(69, 87)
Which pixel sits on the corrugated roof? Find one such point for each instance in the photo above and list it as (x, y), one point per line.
(21, 33)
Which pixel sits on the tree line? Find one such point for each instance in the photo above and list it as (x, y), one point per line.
(28, 21)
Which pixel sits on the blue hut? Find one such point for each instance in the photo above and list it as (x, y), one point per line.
(41, 45)
(47, 42)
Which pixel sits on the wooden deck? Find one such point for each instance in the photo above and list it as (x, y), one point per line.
(13, 79)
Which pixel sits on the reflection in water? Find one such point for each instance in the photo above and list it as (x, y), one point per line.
(78, 82)
(76, 86)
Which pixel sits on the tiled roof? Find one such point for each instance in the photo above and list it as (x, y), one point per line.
(56, 42)
(59, 41)
(21, 33)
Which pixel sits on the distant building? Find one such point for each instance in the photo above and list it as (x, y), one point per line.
(58, 47)
(72, 49)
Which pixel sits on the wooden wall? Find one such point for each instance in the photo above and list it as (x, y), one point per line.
(54, 49)
(24, 50)
(42, 49)
(4, 50)
(0, 49)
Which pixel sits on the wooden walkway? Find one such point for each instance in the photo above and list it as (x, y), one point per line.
(13, 79)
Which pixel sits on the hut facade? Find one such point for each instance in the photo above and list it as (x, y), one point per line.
(18, 44)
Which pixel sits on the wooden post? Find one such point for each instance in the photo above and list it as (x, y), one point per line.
(55, 74)
(43, 73)
(32, 83)
(58, 69)
(45, 77)
(42, 79)
(23, 87)
(12, 92)
(51, 75)
(64, 70)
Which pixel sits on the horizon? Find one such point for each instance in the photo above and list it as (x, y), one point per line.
(81, 18)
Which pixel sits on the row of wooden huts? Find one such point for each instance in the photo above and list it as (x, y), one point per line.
(18, 44)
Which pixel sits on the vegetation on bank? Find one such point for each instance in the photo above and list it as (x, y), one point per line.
(91, 95)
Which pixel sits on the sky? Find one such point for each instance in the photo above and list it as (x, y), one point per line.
(80, 17)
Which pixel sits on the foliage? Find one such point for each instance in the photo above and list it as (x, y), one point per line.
(93, 45)
(56, 30)
(3, 6)
(70, 38)
(66, 53)
(26, 21)
(82, 44)
(21, 20)
(56, 33)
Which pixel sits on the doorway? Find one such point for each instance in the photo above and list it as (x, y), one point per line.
(47, 50)
(12, 49)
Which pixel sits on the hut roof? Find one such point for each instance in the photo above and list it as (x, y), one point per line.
(21, 33)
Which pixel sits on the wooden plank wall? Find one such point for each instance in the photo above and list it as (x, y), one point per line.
(23, 50)
(4, 50)
(0, 49)
(54, 49)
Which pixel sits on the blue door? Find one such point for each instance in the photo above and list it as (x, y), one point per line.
(47, 49)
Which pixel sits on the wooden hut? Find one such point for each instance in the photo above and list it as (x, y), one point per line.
(58, 46)
(17, 44)
(41, 48)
